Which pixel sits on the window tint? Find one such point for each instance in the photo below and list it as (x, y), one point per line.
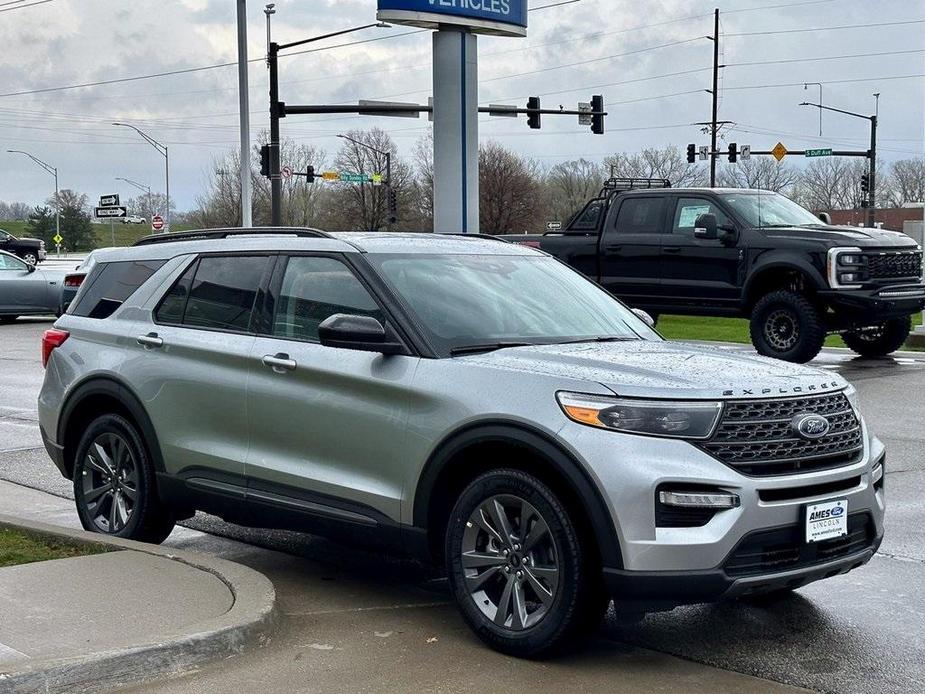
(9, 263)
(173, 305)
(223, 292)
(314, 289)
(640, 216)
(689, 209)
(110, 284)
(588, 218)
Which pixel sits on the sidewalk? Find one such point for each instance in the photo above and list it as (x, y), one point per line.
(98, 622)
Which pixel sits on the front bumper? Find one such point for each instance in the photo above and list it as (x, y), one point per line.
(859, 308)
(42, 254)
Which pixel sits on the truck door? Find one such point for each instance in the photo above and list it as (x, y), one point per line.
(695, 271)
(630, 253)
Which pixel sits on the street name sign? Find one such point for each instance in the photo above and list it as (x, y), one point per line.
(372, 111)
(818, 153)
(355, 178)
(779, 151)
(495, 17)
(110, 212)
(109, 200)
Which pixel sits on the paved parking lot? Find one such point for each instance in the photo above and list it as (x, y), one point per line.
(856, 633)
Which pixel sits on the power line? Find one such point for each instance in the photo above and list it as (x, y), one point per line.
(22, 7)
(835, 28)
(845, 81)
(827, 57)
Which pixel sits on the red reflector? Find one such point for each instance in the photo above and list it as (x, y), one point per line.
(74, 280)
(51, 339)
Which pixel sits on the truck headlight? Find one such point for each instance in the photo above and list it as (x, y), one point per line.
(665, 418)
(846, 268)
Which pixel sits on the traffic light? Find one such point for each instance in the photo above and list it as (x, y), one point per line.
(691, 154)
(733, 152)
(534, 119)
(865, 183)
(392, 199)
(265, 161)
(597, 119)
(310, 174)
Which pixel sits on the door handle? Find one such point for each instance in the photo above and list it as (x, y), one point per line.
(280, 363)
(671, 249)
(149, 341)
(613, 248)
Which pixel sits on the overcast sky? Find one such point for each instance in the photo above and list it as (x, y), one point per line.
(614, 47)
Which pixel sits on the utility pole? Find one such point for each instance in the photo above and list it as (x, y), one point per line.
(53, 170)
(715, 126)
(244, 107)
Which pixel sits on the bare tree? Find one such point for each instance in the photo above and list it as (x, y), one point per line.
(759, 172)
(149, 204)
(510, 192)
(907, 181)
(834, 183)
(424, 180)
(570, 185)
(14, 210)
(668, 162)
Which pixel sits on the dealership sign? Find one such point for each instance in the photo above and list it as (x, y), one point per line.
(497, 17)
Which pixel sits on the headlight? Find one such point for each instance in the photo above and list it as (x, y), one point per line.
(852, 394)
(666, 418)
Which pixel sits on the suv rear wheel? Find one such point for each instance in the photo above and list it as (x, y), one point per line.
(516, 565)
(786, 325)
(114, 485)
(880, 340)
(30, 258)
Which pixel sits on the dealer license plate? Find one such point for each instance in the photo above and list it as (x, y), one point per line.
(827, 520)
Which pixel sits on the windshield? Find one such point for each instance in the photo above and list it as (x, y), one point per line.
(463, 301)
(770, 210)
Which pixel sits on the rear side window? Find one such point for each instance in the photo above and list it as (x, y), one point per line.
(110, 284)
(217, 292)
(641, 216)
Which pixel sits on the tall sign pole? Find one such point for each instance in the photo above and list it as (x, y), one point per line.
(276, 179)
(715, 126)
(244, 107)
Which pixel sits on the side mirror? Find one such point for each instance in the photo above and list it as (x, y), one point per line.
(644, 317)
(361, 333)
(826, 218)
(705, 227)
(30, 268)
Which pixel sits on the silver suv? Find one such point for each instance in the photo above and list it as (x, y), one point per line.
(466, 401)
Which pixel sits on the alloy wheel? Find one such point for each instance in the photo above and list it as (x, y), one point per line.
(510, 562)
(30, 258)
(110, 483)
(781, 330)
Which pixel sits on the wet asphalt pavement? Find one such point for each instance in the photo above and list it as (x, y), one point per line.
(863, 632)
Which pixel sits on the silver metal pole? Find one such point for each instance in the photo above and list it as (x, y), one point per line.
(167, 184)
(244, 107)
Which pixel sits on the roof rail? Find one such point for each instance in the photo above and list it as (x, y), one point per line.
(490, 237)
(208, 234)
(615, 183)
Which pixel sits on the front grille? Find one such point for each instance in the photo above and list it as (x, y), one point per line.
(784, 549)
(894, 265)
(756, 437)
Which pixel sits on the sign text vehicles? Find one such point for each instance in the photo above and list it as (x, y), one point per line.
(498, 17)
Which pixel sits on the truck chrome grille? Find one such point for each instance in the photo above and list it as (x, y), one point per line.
(894, 265)
(757, 438)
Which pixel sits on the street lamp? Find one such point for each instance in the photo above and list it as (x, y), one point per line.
(54, 172)
(872, 153)
(140, 186)
(380, 152)
(806, 86)
(163, 150)
(276, 112)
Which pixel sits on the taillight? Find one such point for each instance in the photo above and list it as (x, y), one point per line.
(74, 280)
(51, 339)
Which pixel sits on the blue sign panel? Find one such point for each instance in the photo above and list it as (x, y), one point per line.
(499, 17)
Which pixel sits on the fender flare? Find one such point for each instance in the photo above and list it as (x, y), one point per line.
(780, 263)
(538, 443)
(116, 389)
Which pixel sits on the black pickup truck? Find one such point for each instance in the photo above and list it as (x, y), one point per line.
(747, 253)
(30, 250)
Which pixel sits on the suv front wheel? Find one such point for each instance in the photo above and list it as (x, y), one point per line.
(114, 485)
(786, 325)
(516, 565)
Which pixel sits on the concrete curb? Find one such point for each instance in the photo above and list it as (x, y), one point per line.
(249, 622)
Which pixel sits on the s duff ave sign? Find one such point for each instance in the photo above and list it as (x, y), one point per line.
(496, 17)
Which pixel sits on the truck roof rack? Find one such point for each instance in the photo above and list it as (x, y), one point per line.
(209, 234)
(615, 183)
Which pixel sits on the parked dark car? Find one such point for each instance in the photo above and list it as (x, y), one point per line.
(747, 253)
(30, 250)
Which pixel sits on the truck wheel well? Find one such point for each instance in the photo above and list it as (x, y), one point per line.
(88, 409)
(478, 458)
(774, 279)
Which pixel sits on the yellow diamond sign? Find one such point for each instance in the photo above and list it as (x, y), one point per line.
(330, 176)
(58, 239)
(779, 151)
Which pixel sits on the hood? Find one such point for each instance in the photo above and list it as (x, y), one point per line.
(861, 237)
(666, 370)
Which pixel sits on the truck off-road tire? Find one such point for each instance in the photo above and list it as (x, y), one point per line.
(786, 325)
(518, 567)
(880, 340)
(114, 485)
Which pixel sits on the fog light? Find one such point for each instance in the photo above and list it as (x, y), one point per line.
(699, 500)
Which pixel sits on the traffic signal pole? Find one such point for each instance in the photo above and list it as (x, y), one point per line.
(715, 126)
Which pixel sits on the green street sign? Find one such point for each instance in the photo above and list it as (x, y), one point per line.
(354, 178)
(819, 153)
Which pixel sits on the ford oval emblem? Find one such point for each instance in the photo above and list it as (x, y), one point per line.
(837, 511)
(810, 426)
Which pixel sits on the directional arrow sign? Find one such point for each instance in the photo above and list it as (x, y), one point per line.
(818, 153)
(109, 200)
(108, 212)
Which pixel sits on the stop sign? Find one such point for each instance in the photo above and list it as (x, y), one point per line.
(157, 222)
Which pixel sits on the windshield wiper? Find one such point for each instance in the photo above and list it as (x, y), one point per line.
(602, 338)
(487, 347)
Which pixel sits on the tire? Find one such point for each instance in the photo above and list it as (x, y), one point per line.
(8, 319)
(112, 464)
(880, 340)
(498, 591)
(786, 325)
(30, 258)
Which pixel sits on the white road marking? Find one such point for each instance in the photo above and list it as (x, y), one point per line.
(8, 654)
